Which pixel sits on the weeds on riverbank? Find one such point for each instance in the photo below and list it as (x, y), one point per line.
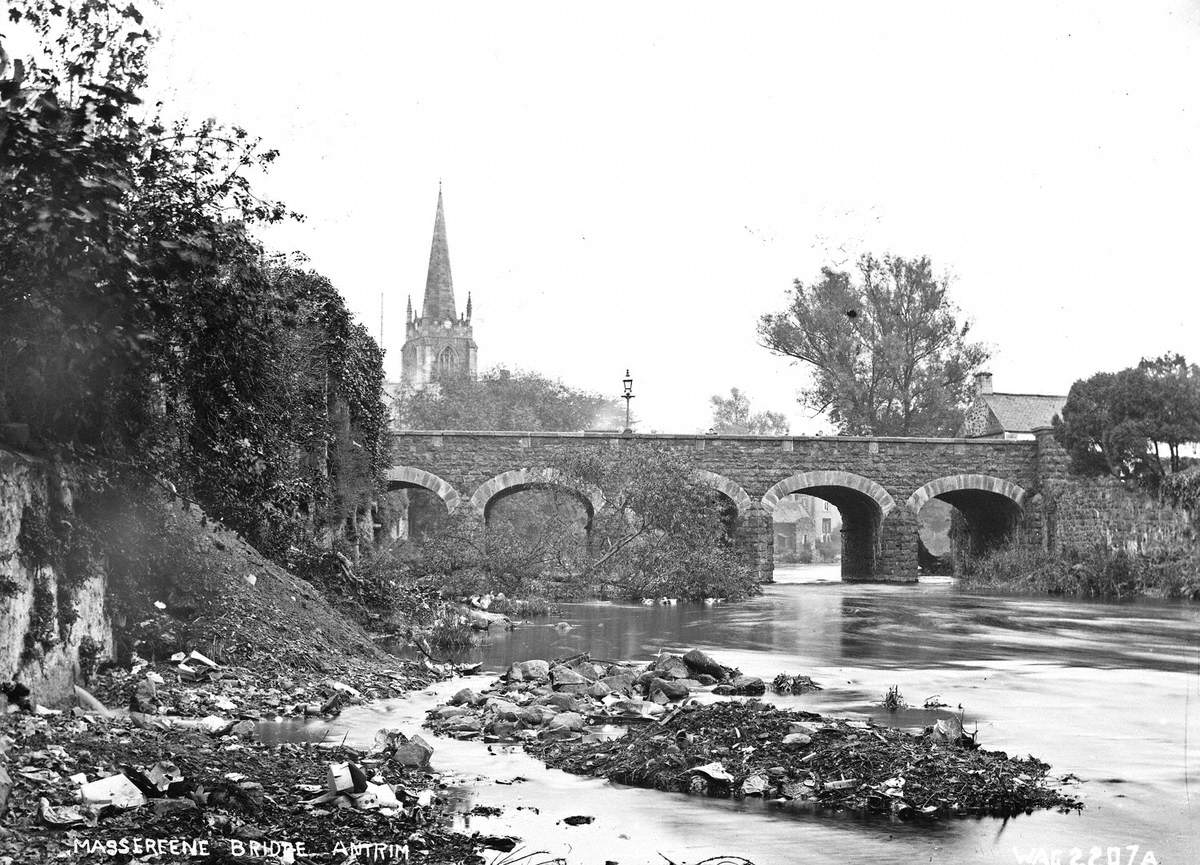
(1098, 572)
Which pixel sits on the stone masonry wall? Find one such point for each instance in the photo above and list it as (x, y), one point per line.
(49, 668)
(1082, 512)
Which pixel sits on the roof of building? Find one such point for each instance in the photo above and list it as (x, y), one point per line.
(1022, 412)
(439, 286)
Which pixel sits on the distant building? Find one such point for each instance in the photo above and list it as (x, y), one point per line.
(801, 522)
(439, 341)
(1007, 415)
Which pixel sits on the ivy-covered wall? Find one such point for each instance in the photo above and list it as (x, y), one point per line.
(53, 620)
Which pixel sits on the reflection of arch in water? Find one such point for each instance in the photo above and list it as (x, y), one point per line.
(863, 504)
(508, 483)
(991, 507)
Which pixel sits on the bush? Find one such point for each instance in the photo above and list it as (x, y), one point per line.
(1099, 572)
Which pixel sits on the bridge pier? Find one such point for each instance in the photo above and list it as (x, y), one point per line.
(896, 560)
(756, 535)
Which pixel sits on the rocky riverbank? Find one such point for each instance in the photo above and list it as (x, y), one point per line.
(171, 763)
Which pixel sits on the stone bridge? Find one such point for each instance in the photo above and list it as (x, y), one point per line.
(878, 484)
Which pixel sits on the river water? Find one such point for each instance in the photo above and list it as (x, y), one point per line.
(1107, 692)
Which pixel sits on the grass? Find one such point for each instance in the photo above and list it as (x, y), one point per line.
(1098, 572)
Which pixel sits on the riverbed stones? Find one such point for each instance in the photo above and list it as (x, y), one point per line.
(467, 697)
(415, 753)
(700, 662)
(751, 686)
(621, 683)
(599, 690)
(670, 689)
(561, 676)
(796, 740)
(667, 666)
(535, 671)
(566, 721)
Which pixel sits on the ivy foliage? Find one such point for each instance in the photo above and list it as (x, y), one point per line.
(144, 327)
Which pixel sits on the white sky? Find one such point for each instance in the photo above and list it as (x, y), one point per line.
(633, 184)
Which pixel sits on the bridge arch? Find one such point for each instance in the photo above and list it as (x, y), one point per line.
(863, 505)
(516, 480)
(806, 480)
(407, 477)
(728, 488)
(989, 509)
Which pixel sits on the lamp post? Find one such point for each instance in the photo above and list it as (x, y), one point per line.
(627, 382)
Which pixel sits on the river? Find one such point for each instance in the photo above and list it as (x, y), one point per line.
(1108, 692)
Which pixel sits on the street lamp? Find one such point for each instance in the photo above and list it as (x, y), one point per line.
(627, 382)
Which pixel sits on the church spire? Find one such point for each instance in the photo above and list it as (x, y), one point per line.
(439, 287)
(408, 312)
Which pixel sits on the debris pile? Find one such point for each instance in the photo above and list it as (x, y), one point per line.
(748, 748)
(72, 783)
(565, 713)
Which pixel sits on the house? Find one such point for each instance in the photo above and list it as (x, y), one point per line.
(1007, 415)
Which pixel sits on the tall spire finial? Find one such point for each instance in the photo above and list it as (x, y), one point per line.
(468, 306)
(439, 286)
(408, 312)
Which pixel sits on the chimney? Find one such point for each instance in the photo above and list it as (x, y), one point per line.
(983, 382)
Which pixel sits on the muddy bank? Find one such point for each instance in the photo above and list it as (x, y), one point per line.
(639, 725)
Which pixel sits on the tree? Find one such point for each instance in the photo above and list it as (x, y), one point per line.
(1117, 423)
(661, 531)
(887, 351)
(731, 416)
(500, 399)
(141, 325)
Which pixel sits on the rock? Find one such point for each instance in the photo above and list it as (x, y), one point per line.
(534, 671)
(415, 753)
(466, 697)
(502, 729)
(572, 721)
(585, 668)
(621, 683)
(749, 685)
(699, 662)
(795, 740)
(724, 690)
(345, 778)
(807, 727)
(6, 785)
(163, 807)
(755, 785)
(672, 690)
(89, 703)
(561, 675)
(669, 666)
(533, 716)
(245, 729)
(465, 724)
(705, 679)
(599, 690)
(504, 710)
(578, 820)
(564, 702)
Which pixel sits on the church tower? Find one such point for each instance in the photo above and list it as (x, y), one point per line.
(438, 342)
